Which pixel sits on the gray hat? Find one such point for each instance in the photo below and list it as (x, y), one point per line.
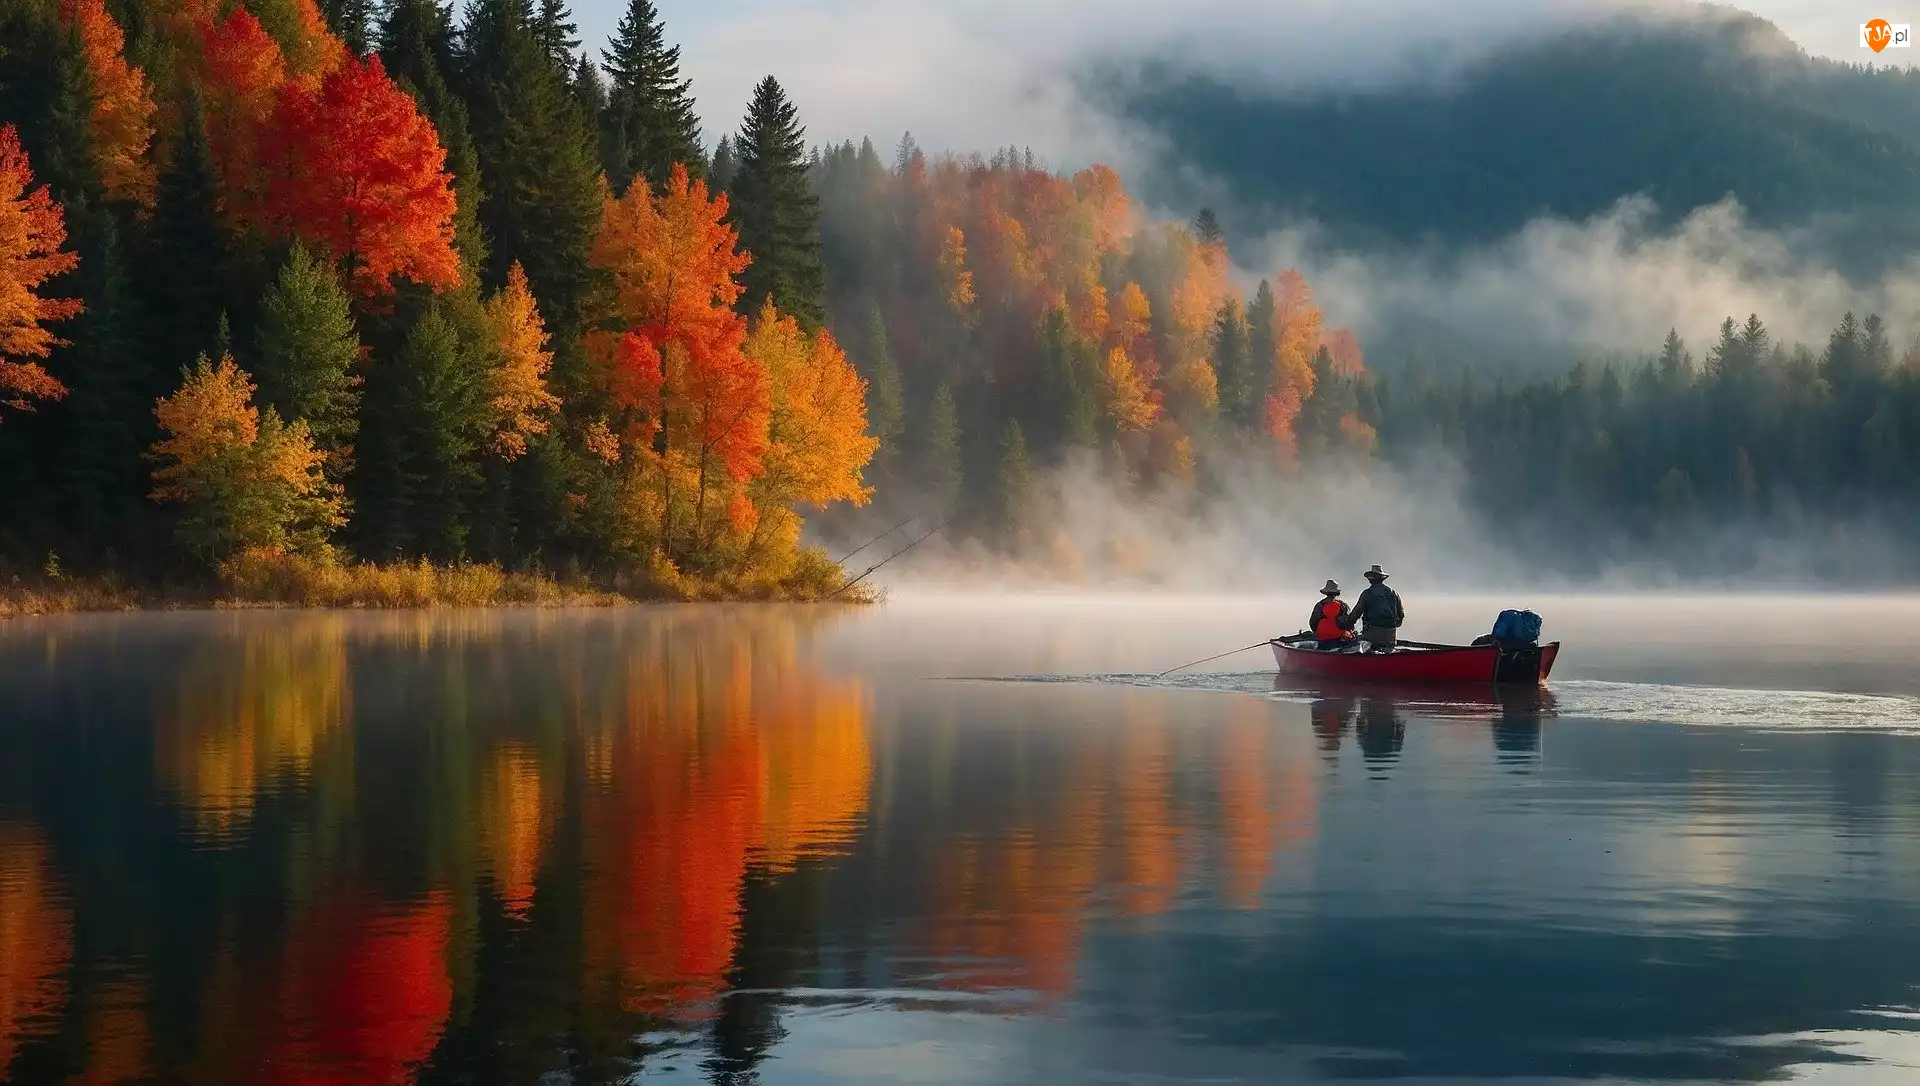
(1376, 571)
(1332, 589)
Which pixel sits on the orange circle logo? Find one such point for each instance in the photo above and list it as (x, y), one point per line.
(1879, 33)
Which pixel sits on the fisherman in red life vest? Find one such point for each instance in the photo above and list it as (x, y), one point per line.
(1332, 623)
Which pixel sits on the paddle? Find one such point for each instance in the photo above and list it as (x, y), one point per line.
(1247, 648)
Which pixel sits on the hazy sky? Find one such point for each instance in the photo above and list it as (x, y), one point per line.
(973, 74)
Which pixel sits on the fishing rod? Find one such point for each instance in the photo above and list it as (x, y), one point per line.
(889, 558)
(1235, 652)
(843, 558)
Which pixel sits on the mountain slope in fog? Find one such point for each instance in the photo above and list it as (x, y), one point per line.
(1685, 113)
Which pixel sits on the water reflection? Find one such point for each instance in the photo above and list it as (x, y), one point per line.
(580, 848)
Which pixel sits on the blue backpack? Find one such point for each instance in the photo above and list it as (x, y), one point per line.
(1522, 627)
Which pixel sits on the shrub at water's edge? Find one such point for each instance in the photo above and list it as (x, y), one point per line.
(267, 578)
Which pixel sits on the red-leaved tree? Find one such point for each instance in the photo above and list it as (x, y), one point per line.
(359, 171)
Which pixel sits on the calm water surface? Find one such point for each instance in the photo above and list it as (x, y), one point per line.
(955, 840)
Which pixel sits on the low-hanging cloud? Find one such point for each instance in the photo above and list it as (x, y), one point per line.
(1617, 281)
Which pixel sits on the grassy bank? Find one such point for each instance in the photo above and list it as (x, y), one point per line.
(265, 579)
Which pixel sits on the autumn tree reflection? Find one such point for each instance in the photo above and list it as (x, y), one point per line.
(36, 941)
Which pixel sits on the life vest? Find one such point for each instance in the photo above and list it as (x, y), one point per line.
(1327, 626)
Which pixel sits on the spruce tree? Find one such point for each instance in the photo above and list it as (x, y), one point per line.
(107, 420)
(350, 20)
(776, 212)
(884, 413)
(540, 164)
(557, 34)
(307, 350)
(726, 166)
(1065, 409)
(651, 123)
(1233, 365)
(1206, 227)
(187, 261)
(418, 471)
(1262, 351)
(1012, 498)
(940, 450)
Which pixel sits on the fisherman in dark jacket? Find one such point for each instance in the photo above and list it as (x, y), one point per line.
(1379, 612)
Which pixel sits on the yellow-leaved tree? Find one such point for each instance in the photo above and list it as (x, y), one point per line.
(817, 437)
(241, 478)
(518, 394)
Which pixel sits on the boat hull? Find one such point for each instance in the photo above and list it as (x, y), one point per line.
(1462, 664)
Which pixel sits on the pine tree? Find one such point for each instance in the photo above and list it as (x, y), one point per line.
(940, 450)
(651, 120)
(1207, 229)
(1676, 363)
(557, 34)
(1012, 509)
(884, 412)
(726, 166)
(1261, 347)
(349, 19)
(1233, 365)
(307, 352)
(185, 232)
(540, 163)
(1065, 407)
(418, 469)
(107, 421)
(776, 212)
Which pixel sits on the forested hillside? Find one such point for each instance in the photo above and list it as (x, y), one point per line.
(1686, 112)
(288, 287)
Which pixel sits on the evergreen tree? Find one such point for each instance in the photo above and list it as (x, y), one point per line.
(1262, 352)
(540, 164)
(1676, 363)
(884, 412)
(651, 121)
(557, 34)
(307, 351)
(776, 212)
(1233, 365)
(349, 19)
(107, 419)
(1207, 229)
(726, 166)
(418, 470)
(184, 233)
(940, 450)
(1065, 409)
(1012, 497)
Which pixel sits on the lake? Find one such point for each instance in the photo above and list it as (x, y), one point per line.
(956, 839)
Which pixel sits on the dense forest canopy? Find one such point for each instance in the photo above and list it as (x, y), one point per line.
(283, 278)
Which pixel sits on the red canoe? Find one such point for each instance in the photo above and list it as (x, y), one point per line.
(1424, 664)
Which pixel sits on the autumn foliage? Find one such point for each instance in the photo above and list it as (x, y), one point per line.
(123, 104)
(521, 404)
(32, 233)
(360, 172)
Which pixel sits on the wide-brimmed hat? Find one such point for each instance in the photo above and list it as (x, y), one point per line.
(1376, 572)
(1332, 589)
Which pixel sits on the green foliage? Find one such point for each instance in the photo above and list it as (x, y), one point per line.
(885, 413)
(1064, 409)
(419, 473)
(188, 259)
(1232, 358)
(308, 350)
(776, 211)
(650, 123)
(349, 19)
(416, 46)
(1011, 500)
(542, 201)
(939, 460)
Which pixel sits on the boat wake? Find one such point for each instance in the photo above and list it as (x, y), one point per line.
(1707, 706)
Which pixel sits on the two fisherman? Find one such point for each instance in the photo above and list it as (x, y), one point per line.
(1377, 612)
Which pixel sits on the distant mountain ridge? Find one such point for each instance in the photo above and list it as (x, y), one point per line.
(1684, 112)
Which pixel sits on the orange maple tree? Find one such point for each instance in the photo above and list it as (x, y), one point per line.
(32, 231)
(123, 108)
(697, 409)
(818, 439)
(361, 172)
